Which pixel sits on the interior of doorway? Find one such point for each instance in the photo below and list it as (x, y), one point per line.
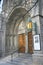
(22, 43)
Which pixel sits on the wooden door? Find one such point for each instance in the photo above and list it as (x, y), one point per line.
(30, 42)
(21, 40)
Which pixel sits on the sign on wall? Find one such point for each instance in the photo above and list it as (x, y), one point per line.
(36, 42)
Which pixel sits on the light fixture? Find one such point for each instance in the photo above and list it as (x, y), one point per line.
(29, 24)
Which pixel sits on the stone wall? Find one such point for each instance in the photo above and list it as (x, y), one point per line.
(35, 12)
(41, 22)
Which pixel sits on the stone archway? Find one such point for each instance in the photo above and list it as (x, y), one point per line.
(21, 37)
(12, 34)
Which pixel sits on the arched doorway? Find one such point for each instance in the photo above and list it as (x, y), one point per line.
(25, 39)
(21, 37)
(17, 36)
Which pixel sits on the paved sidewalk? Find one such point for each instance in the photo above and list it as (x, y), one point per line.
(23, 59)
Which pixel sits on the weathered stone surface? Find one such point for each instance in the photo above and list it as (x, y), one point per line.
(7, 15)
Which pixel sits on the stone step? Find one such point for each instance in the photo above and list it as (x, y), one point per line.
(38, 52)
(25, 55)
(22, 59)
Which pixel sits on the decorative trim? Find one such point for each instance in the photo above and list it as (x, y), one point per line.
(41, 16)
(37, 15)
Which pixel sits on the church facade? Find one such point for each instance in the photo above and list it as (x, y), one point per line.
(21, 27)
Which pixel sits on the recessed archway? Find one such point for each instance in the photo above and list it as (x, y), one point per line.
(16, 35)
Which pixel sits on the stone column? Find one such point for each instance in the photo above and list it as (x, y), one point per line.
(10, 45)
(16, 41)
(26, 46)
(3, 37)
(13, 42)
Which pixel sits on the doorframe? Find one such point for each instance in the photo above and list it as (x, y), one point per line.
(26, 46)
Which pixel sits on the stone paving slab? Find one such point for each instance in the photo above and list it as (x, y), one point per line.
(22, 60)
(5, 64)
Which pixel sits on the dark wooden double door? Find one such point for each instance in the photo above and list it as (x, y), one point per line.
(22, 43)
(30, 42)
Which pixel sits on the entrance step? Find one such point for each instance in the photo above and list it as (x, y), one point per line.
(22, 59)
(38, 52)
(38, 58)
(24, 55)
